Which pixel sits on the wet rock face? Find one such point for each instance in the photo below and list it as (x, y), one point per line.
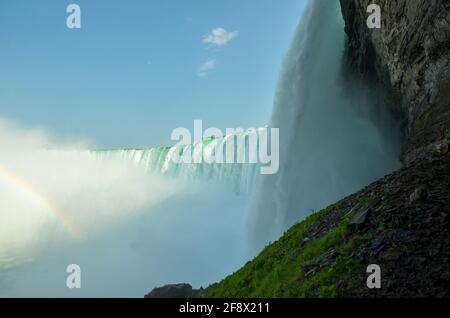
(410, 55)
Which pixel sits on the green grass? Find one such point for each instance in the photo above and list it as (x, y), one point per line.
(291, 267)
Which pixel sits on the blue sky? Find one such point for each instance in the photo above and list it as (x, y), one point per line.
(133, 72)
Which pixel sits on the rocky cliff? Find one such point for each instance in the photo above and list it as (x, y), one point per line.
(400, 223)
(410, 55)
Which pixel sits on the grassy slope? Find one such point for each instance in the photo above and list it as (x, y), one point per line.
(296, 266)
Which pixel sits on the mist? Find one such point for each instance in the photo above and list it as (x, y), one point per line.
(129, 230)
(84, 195)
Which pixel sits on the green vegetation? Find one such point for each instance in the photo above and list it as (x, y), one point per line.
(423, 118)
(447, 136)
(296, 266)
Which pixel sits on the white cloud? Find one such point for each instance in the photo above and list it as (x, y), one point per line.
(219, 36)
(207, 67)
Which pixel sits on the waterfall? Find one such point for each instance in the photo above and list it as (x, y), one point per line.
(336, 136)
(160, 160)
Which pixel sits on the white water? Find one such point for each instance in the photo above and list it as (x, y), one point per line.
(238, 176)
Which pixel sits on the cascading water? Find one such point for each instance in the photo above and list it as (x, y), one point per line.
(335, 136)
(239, 176)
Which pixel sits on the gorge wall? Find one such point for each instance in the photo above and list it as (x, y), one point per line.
(410, 55)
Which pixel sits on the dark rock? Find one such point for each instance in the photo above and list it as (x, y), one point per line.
(421, 260)
(173, 291)
(440, 148)
(433, 251)
(312, 272)
(309, 264)
(445, 276)
(410, 56)
(424, 292)
(375, 201)
(377, 246)
(360, 217)
(419, 194)
(391, 255)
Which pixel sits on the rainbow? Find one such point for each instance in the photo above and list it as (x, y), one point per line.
(39, 198)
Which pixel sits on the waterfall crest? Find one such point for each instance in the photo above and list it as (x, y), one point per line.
(161, 161)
